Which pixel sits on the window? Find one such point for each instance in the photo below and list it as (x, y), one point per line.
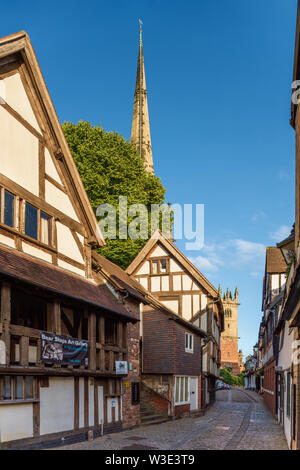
(135, 393)
(16, 388)
(228, 313)
(189, 342)
(181, 390)
(154, 267)
(159, 266)
(7, 206)
(31, 221)
(37, 224)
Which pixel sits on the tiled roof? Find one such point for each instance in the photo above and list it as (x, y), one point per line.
(120, 277)
(275, 262)
(23, 267)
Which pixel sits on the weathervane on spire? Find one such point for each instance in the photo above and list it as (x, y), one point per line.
(141, 24)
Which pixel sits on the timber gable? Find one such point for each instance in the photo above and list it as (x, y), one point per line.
(38, 176)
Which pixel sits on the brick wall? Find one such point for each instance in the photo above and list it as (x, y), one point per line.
(159, 341)
(130, 412)
(230, 355)
(156, 400)
(182, 410)
(187, 363)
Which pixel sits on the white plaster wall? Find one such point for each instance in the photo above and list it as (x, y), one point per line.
(187, 306)
(286, 353)
(159, 251)
(144, 269)
(71, 268)
(203, 301)
(91, 402)
(57, 406)
(66, 243)
(16, 97)
(36, 252)
(16, 422)
(144, 282)
(186, 282)
(174, 267)
(81, 402)
(58, 199)
(165, 283)
(155, 284)
(7, 241)
(19, 153)
(100, 405)
(171, 304)
(196, 304)
(275, 281)
(109, 409)
(177, 282)
(50, 167)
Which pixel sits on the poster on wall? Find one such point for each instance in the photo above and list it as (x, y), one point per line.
(121, 367)
(64, 350)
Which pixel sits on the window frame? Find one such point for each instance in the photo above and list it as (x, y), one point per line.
(4, 190)
(186, 393)
(189, 348)
(158, 261)
(50, 227)
(13, 388)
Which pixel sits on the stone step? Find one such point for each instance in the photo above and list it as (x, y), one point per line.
(156, 420)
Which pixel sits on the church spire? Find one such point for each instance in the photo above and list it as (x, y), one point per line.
(140, 132)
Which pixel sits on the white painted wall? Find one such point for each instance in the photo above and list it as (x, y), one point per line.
(58, 199)
(174, 267)
(57, 406)
(171, 304)
(16, 422)
(144, 269)
(81, 402)
(16, 97)
(36, 252)
(66, 243)
(158, 251)
(19, 153)
(7, 241)
(50, 167)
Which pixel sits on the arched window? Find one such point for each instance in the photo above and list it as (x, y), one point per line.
(228, 313)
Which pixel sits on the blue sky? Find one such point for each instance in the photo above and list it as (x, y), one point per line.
(219, 84)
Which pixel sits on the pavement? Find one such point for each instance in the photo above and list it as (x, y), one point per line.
(238, 420)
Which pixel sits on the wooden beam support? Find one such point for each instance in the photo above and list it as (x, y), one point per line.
(5, 317)
(56, 317)
(92, 340)
(24, 350)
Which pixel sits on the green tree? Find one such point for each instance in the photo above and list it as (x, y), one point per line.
(110, 167)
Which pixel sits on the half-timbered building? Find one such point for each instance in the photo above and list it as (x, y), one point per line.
(64, 339)
(178, 285)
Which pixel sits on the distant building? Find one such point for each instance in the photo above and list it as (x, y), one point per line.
(230, 355)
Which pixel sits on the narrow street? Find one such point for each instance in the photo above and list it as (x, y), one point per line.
(237, 421)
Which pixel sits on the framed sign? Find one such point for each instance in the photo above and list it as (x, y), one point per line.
(121, 367)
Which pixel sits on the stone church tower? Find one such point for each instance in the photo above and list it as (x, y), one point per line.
(230, 355)
(140, 132)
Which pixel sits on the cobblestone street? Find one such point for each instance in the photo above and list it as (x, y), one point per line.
(237, 421)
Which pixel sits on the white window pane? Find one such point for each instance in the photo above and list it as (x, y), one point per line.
(181, 388)
(177, 389)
